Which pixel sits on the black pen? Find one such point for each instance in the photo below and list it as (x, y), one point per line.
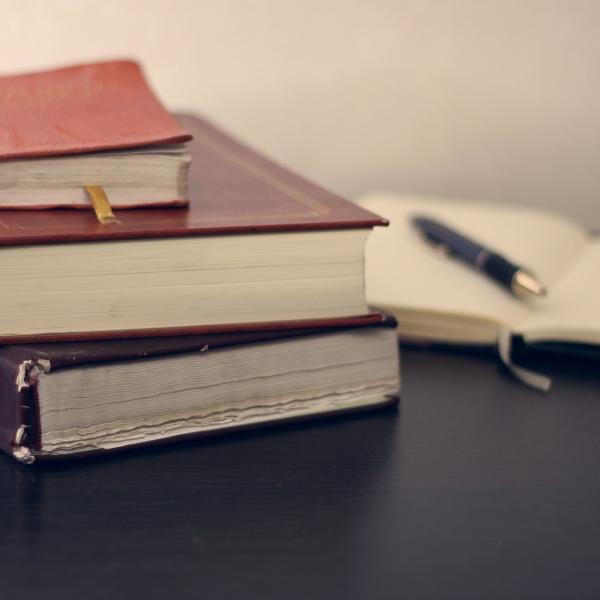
(518, 280)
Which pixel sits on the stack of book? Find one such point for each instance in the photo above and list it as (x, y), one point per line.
(227, 292)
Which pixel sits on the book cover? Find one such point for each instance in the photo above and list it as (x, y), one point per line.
(82, 109)
(233, 190)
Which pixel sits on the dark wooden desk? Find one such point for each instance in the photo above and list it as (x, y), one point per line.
(476, 488)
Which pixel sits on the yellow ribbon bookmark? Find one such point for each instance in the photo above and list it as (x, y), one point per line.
(101, 205)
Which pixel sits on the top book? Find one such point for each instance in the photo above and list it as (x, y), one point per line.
(95, 124)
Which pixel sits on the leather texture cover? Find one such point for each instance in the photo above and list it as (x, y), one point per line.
(19, 406)
(233, 189)
(81, 109)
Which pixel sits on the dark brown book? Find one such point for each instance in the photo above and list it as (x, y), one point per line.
(68, 398)
(258, 244)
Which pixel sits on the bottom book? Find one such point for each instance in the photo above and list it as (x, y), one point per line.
(68, 399)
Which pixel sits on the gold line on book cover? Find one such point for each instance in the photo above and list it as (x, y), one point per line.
(252, 169)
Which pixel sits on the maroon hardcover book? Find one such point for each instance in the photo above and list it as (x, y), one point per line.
(55, 274)
(23, 368)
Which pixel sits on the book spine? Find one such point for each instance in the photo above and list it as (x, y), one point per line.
(17, 407)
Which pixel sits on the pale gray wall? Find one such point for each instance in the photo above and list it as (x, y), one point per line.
(495, 99)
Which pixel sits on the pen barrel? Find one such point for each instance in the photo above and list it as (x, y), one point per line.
(455, 243)
(498, 269)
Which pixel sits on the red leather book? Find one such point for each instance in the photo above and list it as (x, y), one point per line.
(258, 244)
(82, 109)
(69, 398)
(95, 124)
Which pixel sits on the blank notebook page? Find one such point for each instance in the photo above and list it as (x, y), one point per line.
(571, 312)
(405, 272)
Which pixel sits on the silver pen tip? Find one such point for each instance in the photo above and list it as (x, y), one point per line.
(525, 284)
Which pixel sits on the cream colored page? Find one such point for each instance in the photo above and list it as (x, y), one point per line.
(571, 311)
(404, 272)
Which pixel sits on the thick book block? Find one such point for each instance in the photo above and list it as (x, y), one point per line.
(66, 399)
(258, 244)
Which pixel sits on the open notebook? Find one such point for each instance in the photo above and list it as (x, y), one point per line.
(441, 299)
